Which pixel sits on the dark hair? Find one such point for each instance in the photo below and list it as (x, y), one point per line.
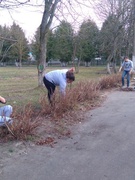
(70, 75)
(126, 57)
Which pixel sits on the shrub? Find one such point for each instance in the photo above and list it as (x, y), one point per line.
(27, 120)
(81, 92)
(109, 81)
(85, 91)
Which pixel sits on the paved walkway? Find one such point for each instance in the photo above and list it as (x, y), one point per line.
(102, 148)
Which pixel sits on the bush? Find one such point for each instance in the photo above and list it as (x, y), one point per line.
(29, 118)
(109, 81)
(25, 121)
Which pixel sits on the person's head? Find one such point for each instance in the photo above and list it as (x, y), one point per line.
(70, 76)
(126, 58)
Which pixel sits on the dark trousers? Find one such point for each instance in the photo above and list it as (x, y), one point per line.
(50, 87)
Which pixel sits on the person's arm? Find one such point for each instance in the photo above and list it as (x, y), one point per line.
(120, 69)
(62, 88)
(130, 71)
(131, 63)
(2, 100)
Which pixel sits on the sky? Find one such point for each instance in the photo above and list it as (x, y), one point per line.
(29, 18)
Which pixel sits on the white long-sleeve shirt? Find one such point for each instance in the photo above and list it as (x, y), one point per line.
(58, 78)
(127, 65)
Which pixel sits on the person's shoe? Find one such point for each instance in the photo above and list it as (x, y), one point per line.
(130, 88)
(127, 88)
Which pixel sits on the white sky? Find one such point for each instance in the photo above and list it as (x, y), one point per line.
(29, 18)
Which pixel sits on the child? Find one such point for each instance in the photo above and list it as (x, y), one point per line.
(127, 67)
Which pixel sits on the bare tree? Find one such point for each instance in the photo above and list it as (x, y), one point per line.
(121, 10)
(133, 57)
(48, 14)
(58, 10)
(20, 49)
(9, 4)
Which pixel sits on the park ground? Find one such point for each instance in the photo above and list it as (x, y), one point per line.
(100, 148)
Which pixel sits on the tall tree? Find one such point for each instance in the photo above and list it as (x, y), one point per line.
(64, 9)
(133, 56)
(50, 46)
(6, 4)
(63, 42)
(115, 30)
(6, 43)
(111, 37)
(20, 50)
(48, 14)
(35, 44)
(88, 41)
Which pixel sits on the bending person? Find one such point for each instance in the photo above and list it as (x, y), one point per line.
(58, 78)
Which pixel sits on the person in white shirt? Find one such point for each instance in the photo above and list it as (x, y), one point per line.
(58, 78)
(5, 112)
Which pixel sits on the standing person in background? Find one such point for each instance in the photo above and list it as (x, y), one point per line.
(127, 67)
(5, 112)
(58, 78)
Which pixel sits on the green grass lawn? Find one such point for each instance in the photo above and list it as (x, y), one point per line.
(20, 86)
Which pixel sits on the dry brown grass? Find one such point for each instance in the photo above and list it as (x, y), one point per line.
(25, 121)
(81, 92)
(110, 81)
(30, 118)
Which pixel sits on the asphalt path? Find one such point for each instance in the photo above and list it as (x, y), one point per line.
(101, 148)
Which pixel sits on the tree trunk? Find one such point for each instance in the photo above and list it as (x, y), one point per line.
(108, 64)
(75, 64)
(42, 61)
(114, 67)
(133, 57)
(108, 68)
(48, 14)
